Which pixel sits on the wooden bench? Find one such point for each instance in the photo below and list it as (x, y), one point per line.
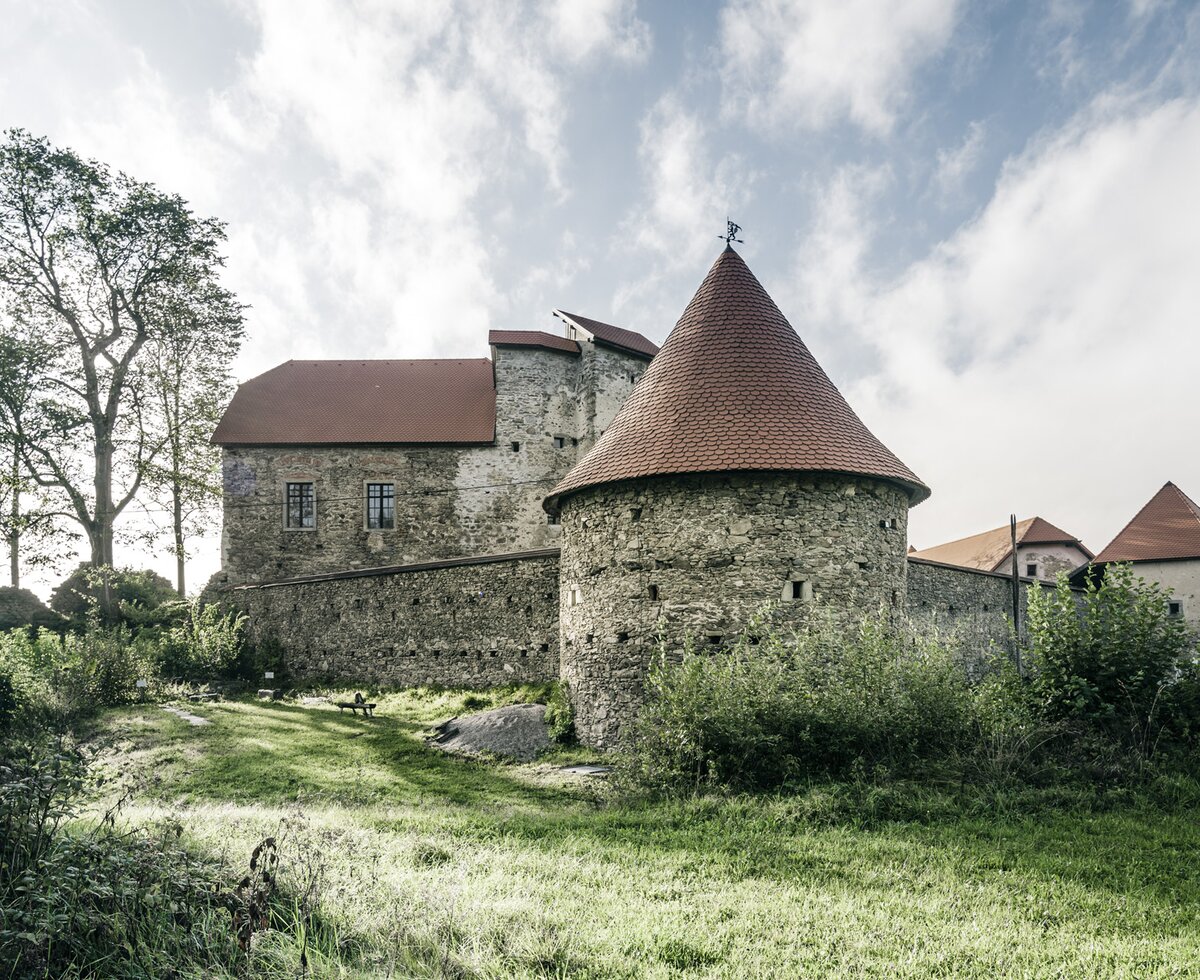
(359, 702)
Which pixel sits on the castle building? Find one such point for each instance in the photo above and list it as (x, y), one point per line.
(1043, 550)
(569, 507)
(331, 466)
(734, 477)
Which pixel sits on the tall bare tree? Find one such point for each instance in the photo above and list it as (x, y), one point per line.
(95, 258)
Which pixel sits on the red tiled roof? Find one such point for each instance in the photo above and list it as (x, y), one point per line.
(353, 402)
(734, 388)
(532, 338)
(607, 335)
(991, 549)
(1167, 527)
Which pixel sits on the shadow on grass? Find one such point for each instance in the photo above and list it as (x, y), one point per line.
(273, 753)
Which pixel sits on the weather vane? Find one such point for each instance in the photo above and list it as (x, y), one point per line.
(731, 233)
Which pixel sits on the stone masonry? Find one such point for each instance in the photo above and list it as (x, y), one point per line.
(699, 556)
(474, 622)
(450, 501)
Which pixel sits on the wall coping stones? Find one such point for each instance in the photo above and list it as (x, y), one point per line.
(1025, 579)
(424, 566)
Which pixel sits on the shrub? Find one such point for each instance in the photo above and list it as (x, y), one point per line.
(205, 642)
(1109, 657)
(20, 607)
(133, 592)
(828, 701)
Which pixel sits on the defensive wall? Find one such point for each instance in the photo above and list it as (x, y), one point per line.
(482, 621)
(466, 622)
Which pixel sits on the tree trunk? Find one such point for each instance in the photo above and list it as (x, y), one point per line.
(14, 533)
(177, 517)
(101, 534)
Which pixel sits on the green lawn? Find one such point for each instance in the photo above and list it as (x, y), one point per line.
(427, 865)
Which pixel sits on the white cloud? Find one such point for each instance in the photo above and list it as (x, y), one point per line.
(955, 164)
(809, 63)
(1042, 359)
(581, 29)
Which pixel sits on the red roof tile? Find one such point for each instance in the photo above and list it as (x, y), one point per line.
(1167, 527)
(532, 338)
(991, 549)
(607, 335)
(734, 388)
(352, 402)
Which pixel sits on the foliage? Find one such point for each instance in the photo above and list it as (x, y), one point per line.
(768, 712)
(20, 607)
(133, 593)
(96, 268)
(206, 642)
(560, 715)
(1106, 657)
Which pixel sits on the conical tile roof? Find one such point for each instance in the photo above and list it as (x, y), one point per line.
(734, 389)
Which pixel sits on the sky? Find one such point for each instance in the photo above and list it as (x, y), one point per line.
(982, 218)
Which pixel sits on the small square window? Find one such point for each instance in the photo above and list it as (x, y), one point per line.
(1174, 608)
(301, 506)
(516, 447)
(1031, 570)
(553, 520)
(560, 442)
(381, 506)
(888, 523)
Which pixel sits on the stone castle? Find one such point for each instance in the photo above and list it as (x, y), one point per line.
(564, 509)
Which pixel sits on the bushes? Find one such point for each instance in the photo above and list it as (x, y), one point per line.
(819, 704)
(204, 643)
(1112, 681)
(20, 607)
(1105, 658)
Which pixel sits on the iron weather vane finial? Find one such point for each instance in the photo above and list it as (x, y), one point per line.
(731, 233)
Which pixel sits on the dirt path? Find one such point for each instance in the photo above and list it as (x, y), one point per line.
(187, 716)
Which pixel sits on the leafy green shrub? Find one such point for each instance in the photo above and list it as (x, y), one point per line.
(1111, 657)
(20, 607)
(206, 642)
(560, 715)
(763, 714)
(134, 593)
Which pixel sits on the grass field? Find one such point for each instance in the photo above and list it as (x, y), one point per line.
(426, 865)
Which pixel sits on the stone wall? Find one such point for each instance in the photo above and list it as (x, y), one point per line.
(474, 622)
(699, 556)
(975, 604)
(450, 500)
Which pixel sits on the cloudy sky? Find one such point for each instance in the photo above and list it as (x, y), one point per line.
(983, 218)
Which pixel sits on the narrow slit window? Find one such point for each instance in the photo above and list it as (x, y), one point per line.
(381, 506)
(301, 509)
(654, 593)
(516, 447)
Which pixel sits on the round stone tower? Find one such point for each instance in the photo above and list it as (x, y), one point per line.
(734, 477)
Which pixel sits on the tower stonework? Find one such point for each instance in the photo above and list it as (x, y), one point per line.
(734, 478)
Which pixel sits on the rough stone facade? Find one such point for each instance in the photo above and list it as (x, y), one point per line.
(699, 556)
(974, 604)
(474, 622)
(449, 500)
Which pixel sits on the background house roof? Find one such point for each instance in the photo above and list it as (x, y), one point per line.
(734, 388)
(532, 338)
(1168, 527)
(991, 549)
(349, 402)
(606, 335)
